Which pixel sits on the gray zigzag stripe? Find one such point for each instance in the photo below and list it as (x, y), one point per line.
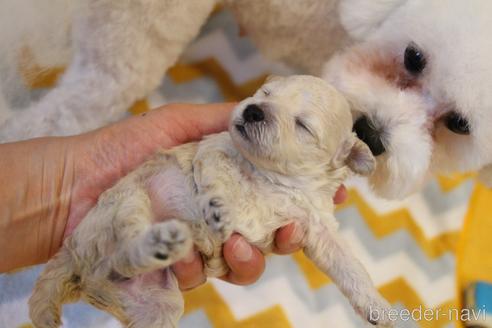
(316, 301)
(195, 319)
(203, 88)
(19, 284)
(400, 241)
(439, 202)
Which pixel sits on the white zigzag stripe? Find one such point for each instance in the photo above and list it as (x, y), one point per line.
(216, 44)
(245, 302)
(432, 224)
(400, 265)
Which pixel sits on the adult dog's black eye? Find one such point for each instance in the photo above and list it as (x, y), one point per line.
(414, 59)
(457, 123)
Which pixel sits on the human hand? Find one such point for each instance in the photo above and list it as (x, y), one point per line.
(49, 184)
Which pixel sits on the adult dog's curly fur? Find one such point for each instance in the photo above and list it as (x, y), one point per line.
(418, 120)
(288, 149)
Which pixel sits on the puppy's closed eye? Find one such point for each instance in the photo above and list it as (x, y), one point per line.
(302, 125)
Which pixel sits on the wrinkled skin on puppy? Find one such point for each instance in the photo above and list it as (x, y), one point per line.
(288, 149)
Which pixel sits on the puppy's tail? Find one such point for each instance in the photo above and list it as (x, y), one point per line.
(57, 284)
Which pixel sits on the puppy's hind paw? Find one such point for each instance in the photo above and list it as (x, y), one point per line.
(375, 311)
(169, 241)
(46, 320)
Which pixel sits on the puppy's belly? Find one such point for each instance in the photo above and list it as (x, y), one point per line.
(151, 294)
(171, 195)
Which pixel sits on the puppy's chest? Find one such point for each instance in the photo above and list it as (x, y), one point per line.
(265, 209)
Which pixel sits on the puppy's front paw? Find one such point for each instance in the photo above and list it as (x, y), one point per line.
(218, 216)
(375, 310)
(168, 241)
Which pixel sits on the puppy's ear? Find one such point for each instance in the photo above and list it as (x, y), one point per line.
(485, 175)
(361, 17)
(356, 155)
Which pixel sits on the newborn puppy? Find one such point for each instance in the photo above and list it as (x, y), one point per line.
(288, 149)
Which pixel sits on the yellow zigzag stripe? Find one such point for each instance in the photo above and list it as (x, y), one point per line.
(183, 73)
(37, 77)
(315, 278)
(220, 315)
(399, 291)
(385, 224)
(474, 262)
(450, 182)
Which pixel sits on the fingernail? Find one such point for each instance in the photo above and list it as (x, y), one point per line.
(189, 258)
(242, 250)
(297, 235)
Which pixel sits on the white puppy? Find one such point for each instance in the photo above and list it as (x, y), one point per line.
(288, 149)
(417, 72)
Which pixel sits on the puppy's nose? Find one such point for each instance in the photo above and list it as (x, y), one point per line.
(370, 135)
(253, 113)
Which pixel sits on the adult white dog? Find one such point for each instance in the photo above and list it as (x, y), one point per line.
(417, 72)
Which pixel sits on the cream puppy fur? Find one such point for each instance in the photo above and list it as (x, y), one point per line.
(288, 149)
(417, 73)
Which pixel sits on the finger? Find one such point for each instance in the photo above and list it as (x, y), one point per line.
(246, 262)
(341, 195)
(185, 122)
(189, 271)
(288, 239)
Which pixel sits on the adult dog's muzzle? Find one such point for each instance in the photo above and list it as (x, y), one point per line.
(366, 132)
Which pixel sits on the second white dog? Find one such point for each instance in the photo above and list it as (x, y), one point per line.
(288, 149)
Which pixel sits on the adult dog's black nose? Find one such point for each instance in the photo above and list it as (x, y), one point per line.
(366, 132)
(253, 113)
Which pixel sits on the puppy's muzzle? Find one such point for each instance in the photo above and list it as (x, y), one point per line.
(253, 114)
(366, 132)
(248, 125)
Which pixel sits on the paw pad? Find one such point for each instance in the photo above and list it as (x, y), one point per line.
(214, 202)
(161, 256)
